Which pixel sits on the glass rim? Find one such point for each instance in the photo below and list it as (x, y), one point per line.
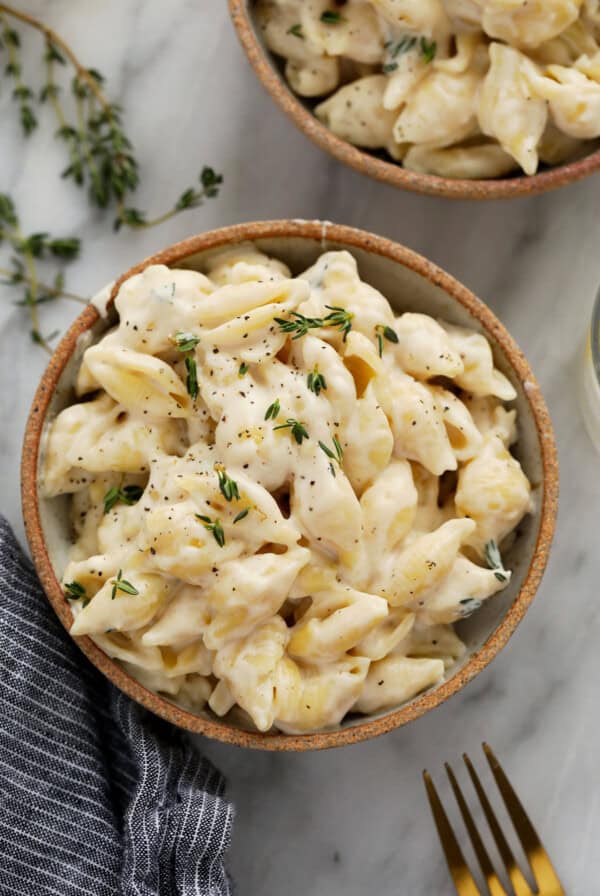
(595, 337)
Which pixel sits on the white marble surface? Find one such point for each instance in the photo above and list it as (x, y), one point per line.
(353, 821)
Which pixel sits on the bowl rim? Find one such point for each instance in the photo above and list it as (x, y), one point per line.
(392, 172)
(350, 238)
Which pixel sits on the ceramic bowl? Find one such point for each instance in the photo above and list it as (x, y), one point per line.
(269, 72)
(410, 282)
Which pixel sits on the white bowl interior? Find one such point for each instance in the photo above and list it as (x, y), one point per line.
(406, 290)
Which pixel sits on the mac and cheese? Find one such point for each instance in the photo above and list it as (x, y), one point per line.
(283, 494)
(456, 88)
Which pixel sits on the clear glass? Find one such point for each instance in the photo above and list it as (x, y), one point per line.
(589, 393)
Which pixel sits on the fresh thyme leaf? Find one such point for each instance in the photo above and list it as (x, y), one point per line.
(191, 381)
(338, 449)
(8, 213)
(243, 369)
(398, 48)
(428, 49)
(338, 452)
(493, 559)
(186, 200)
(66, 247)
(227, 485)
(241, 515)
(297, 430)
(35, 244)
(49, 91)
(273, 410)
(340, 318)
(53, 54)
(213, 526)
(296, 30)
(28, 119)
(11, 37)
(329, 17)
(211, 181)
(382, 331)
(121, 584)
(111, 498)
(316, 382)
(186, 342)
(336, 455)
(327, 450)
(300, 325)
(129, 495)
(75, 590)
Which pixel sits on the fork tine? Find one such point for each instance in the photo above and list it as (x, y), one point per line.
(519, 884)
(462, 877)
(494, 885)
(543, 870)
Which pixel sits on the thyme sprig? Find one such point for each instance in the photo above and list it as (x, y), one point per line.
(100, 153)
(121, 584)
(336, 455)
(129, 495)
(297, 430)
(215, 526)
(408, 42)
(316, 382)
(330, 17)
(227, 486)
(273, 410)
(428, 49)
(339, 318)
(382, 331)
(23, 270)
(193, 197)
(100, 158)
(300, 325)
(75, 590)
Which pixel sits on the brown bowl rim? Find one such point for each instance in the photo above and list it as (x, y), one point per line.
(351, 238)
(392, 172)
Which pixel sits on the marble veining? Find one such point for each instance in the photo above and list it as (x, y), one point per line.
(351, 821)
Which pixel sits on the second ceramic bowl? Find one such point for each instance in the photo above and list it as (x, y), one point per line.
(266, 67)
(410, 282)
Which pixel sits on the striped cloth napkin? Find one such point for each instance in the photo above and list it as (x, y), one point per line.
(97, 796)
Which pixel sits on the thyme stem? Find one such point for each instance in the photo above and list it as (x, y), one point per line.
(53, 93)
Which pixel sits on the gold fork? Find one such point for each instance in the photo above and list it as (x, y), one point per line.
(545, 876)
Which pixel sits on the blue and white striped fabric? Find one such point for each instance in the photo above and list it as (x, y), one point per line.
(97, 796)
